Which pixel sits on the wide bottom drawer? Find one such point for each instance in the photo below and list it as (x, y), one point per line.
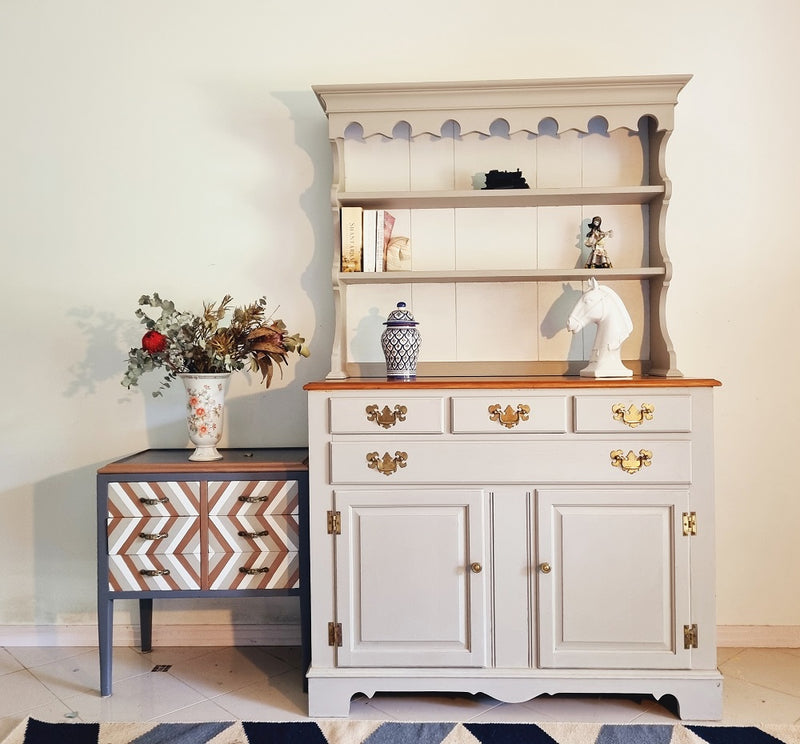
(615, 461)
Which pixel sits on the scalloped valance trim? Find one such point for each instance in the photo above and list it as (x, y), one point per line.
(524, 104)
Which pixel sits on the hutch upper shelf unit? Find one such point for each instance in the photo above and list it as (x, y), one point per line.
(495, 273)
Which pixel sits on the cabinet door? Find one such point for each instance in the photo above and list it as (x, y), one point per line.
(410, 578)
(616, 594)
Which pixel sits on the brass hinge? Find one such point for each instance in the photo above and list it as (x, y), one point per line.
(689, 524)
(334, 634)
(334, 523)
(690, 636)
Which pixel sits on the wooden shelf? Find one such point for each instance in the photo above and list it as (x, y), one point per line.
(481, 198)
(533, 275)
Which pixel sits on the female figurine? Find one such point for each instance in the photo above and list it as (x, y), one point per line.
(598, 259)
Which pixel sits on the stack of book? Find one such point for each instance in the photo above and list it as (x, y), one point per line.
(365, 238)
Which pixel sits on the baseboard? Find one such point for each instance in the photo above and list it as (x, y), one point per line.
(758, 636)
(163, 635)
(728, 636)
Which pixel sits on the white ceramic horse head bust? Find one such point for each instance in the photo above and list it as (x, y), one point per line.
(603, 306)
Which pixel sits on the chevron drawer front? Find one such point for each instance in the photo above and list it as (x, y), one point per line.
(254, 570)
(163, 572)
(245, 533)
(143, 499)
(148, 536)
(253, 497)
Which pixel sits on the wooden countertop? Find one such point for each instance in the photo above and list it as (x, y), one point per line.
(507, 383)
(240, 460)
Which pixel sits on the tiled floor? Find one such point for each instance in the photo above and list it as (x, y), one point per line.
(265, 684)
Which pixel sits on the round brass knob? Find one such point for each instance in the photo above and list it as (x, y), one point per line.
(476, 568)
(545, 567)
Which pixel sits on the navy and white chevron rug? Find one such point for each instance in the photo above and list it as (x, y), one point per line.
(347, 731)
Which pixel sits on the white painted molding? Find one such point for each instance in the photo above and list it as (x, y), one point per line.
(163, 635)
(758, 636)
(728, 636)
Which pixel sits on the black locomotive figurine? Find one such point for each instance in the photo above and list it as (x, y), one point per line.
(496, 179)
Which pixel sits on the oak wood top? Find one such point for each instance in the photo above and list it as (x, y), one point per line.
(506, 383)
(240, 460)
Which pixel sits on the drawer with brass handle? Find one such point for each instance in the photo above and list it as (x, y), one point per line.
(386, 415)
(643, 414)
(512, 461)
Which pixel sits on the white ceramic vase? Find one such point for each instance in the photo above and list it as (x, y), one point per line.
(205, 407)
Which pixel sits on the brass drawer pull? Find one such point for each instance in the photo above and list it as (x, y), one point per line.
(633, 416)
(508, 416)
(631, 463)
(153, 535)
(386, 417)
(252, 535)
(253, 499)
(545, 567)
(254, 571)
(387, 464)
(476, 568)
(154, 572)
(154, 502)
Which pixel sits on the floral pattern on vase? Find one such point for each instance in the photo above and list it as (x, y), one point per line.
(205, 408)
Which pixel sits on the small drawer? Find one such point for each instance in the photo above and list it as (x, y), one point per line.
(153, 498)
(509, 414)
(163, 572)
(512, 461)
(150, 535)
(381, 415)
(253, 497)
(643, 413)
(237, 571)
(248, 533)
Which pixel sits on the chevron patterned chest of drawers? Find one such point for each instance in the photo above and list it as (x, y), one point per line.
(171, 528)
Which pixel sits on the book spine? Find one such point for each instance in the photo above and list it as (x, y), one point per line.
(352, 227)
(370, 247)
(380, 254)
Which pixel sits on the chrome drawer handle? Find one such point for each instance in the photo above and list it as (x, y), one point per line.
(633, 416)
(386, 417)
(154, 502)
(508, 416)
(254, 571)
(253, 535)
(253, 499)
(153, 535)
(631, 463)
(154, 572)
(387, 464)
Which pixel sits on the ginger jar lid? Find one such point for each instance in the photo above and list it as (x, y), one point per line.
(400, 317)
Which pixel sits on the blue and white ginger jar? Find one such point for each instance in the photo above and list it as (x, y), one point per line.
(400, 342)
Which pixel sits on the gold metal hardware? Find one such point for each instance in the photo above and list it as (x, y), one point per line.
(690, 636)
(253, 499)
(476, 567)
(545, 567)
(387, 464)
(508, 416)
(334, 634)
(154, 502)
(253, 535)
(153, 535)
(631, 463)
(254, 571)
(689, 524)
(154, 572)
(633, 416)
(334, 523)
(386, 417)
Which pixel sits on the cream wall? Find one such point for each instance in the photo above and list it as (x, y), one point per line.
(176, 146)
